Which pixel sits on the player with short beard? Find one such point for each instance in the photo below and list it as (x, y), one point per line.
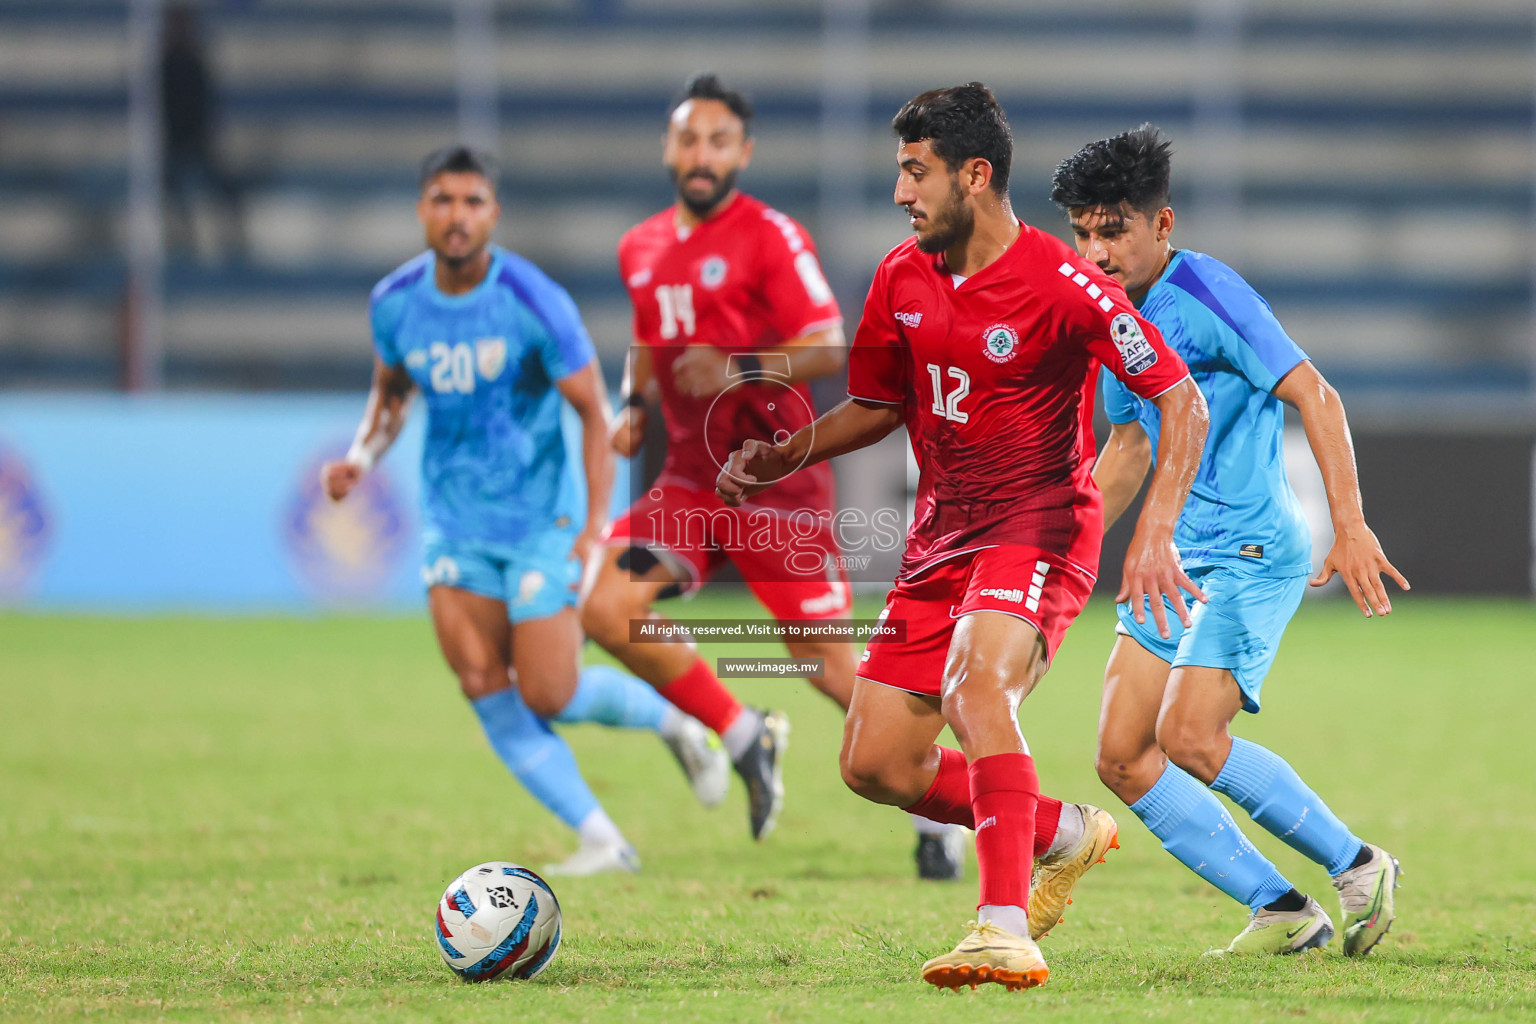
(497, 350)
(722, 283)
(1169, 700)
(982, 336)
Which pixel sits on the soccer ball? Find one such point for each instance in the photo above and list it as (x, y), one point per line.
(498, 919)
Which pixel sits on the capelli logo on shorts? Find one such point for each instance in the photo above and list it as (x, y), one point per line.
(1004, 595)
(986, 822)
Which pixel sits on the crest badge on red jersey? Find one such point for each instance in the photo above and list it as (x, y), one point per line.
(999, 342)
(712, 272)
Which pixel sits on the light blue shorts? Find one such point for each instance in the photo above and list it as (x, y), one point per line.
(536, 578)
(1238, 629)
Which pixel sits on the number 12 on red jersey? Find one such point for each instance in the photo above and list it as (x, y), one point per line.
(948, 406)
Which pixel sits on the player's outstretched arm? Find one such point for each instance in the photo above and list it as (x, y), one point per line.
(852, 425)
(1152, 569)
(389, 402)
(628, 433)
(703, 370)
(1121, 467)
(1356, 554)
(587, 394)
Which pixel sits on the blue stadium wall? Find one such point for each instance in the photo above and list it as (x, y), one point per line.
(212, 504)
(206, 504)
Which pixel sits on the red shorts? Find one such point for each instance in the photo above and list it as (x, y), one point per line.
(1044, 590)
(790, 561)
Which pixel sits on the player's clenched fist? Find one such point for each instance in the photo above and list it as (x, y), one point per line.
(338, 478)
(628, 432)
(750, 470)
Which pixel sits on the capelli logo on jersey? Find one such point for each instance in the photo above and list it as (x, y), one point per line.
(910, 320)
(999, 342)
(1015, 595)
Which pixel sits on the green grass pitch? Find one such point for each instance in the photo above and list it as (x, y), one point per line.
(208, 819)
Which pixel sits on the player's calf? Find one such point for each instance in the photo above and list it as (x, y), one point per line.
(839, 664)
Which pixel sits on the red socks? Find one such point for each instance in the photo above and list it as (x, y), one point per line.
(1047, 817)
(1004, 792)
(698, 693)
(948, 800)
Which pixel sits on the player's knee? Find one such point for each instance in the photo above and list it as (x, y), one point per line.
(869, 775)
(476, 681)
(605, 618)
(973, 697)
(1127, 772)
(543, 703)
(1193, 746)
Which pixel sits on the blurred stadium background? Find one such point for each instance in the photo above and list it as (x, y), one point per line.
(195, 200)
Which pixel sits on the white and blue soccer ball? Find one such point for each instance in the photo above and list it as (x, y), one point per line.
(498, 919)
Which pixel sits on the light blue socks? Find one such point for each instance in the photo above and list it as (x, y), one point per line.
(611, 696)
(541, 760)
(1263, 784)
(1196, 828)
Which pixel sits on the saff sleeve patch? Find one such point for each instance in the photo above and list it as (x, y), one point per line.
(1136, 352)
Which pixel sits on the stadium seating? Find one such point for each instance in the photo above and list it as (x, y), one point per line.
(1372, 172)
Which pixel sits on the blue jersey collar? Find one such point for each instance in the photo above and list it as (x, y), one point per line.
(469, 298)
(1173, 262)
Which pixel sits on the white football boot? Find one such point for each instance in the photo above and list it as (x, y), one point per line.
(595, 859)
(703, 760)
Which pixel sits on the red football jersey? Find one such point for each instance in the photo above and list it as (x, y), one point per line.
(996, 380)
(744, 280)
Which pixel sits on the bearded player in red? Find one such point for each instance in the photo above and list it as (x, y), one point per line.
(732, 316)
(984, 337)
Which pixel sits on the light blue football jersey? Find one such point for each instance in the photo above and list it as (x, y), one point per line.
(1241, 509)
(496, 466)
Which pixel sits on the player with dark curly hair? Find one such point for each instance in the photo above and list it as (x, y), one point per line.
(1169, 699)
